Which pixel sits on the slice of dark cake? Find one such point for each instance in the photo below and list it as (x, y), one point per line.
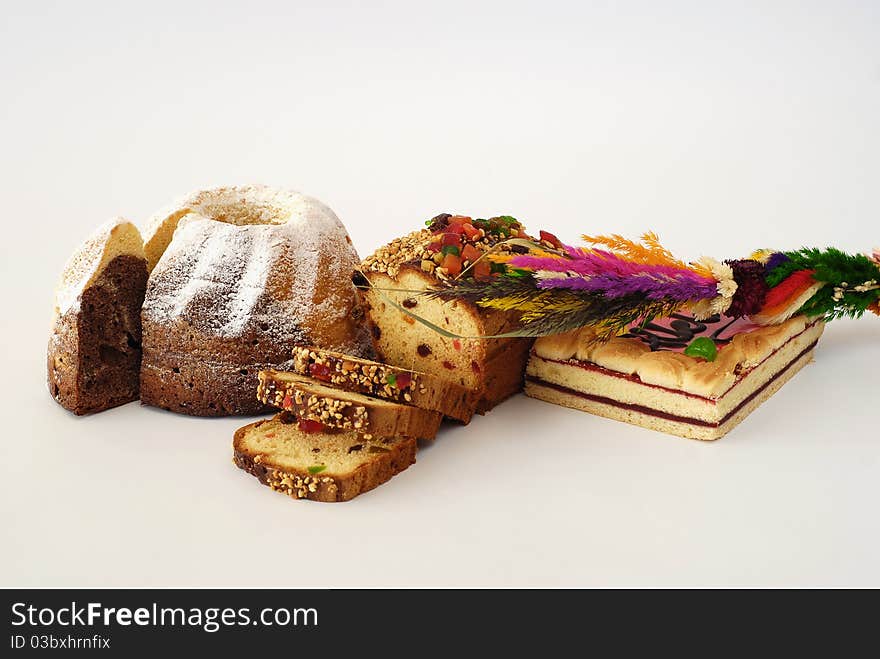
(94, 351)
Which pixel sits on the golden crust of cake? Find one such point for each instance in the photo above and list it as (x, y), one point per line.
(620, 355)
(327, 467)
(671, 369)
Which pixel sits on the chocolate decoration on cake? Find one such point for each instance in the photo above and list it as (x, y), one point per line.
(681, 331)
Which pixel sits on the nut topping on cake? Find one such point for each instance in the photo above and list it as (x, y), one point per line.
(450, 247)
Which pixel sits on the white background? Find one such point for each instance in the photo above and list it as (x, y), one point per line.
(722, 126)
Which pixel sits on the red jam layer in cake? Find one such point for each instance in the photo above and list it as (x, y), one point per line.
(664, 415)
(589, 366)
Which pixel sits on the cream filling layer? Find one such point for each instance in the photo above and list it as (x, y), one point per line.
(591, 379)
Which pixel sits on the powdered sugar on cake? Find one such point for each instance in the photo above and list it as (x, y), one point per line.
(113, 238)
(261, 270)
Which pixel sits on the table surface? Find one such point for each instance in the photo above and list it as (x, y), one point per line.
(722, 131)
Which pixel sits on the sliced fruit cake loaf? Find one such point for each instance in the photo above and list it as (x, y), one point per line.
(401, 385)
(291, 458)
(322, 404)
(450, 247)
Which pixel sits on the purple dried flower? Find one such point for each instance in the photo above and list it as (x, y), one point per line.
(751, 287)
(775, 260)
(683, 287)
(608, 274)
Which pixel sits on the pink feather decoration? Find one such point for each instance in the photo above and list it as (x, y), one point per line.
(612, 275)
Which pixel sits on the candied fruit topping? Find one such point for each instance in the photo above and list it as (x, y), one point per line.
(320, 372)
(452, 264)
(460, 242)
(547, 237)
(470, 253)
(310, 426)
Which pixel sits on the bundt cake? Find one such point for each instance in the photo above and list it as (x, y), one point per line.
(239, 276)
(492, 368)
(94, 351)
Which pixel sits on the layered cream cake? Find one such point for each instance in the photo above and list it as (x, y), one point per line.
(645, 378)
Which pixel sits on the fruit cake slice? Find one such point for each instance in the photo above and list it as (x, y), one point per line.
(321, 404)
(401, 385)
(492, 368)
(321, 466)
(94, 353)
(696, 379)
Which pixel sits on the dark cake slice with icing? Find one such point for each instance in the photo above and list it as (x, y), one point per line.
(94, 351)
